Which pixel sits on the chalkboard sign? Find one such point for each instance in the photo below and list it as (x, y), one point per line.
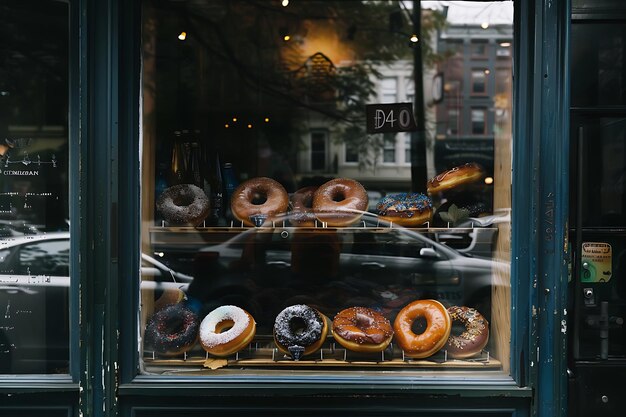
(396, 117)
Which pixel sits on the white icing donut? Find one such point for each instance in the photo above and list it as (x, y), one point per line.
(239, 327)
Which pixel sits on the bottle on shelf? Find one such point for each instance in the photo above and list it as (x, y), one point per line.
(213, 188)
(230, 183)
(177, 166)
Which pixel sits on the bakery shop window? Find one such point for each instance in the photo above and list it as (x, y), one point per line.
(34, 209)
(282, 235)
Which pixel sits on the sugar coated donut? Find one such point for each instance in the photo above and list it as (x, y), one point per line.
(457, 176)
(300, 327)
(340, 202)
(474, 337)
(227, 330)
(302, 207)
(183, 204)
(172, 330)
(406, 209)
(362, 330)
(257, 200)
(434, 337)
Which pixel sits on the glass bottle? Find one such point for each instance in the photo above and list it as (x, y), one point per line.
(177, 166)
(230, 183)
(214, 189)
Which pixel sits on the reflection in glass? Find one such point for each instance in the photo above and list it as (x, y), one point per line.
(280, 92)
(34, 265)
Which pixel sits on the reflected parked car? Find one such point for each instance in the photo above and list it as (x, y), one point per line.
(34, 300)
(372, 263)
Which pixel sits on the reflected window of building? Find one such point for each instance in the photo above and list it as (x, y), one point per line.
(319, 146)
(478, 49)
(478, 121)
(479, 81)
(407, 148)
(453, 122)
(389, 147)
(351, 153)
(389, 90)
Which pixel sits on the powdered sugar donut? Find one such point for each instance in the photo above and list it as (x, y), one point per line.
(227, 330)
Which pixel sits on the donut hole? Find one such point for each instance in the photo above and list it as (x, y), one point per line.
(224, 326)
(419, 325)
(183, 200)
(339, 196)
(258, 199)
(457, 327)
(174, 325)
(297, 326)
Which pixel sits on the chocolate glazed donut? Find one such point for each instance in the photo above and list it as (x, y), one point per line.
(183, 204)
(257, 200)
(172, 330)
(340, 202)
(475, 336)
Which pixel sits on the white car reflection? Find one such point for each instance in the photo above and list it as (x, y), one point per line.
(35, 299)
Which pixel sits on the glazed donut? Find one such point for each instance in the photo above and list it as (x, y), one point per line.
(362, 330)
(183, 204)
(257, 200)
(226, 330)
(169, 296)
(461, 175)
(302, 207)
(406, 209)
(434, 337)
(475, 336)
(300, 326)
(172, 330)
(340, 202)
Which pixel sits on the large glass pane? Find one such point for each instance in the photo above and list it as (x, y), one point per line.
(34, 215)
(251, 112)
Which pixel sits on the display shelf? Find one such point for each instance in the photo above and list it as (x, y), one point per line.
(330, 356)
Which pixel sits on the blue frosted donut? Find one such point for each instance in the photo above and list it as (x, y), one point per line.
(406, 209)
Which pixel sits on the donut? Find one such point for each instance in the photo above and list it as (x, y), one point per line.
(226, 330)
(340, 202)
(172, 330)
(300, 326)
(457, 176)
(474, 337)
(406, 209)
(362, 330)
(169, 296)
(434, 337)
(258, 199)
(183, 204)
(302, 207)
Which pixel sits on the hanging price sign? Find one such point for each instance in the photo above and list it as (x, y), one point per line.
(396, 117)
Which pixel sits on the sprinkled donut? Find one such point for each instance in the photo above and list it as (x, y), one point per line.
(475, 336)
(300, 326)
(455, 177)
(406, 209)
(183, 204)
(340, 202)
(362, 330)
(227, 330)
(257, 200)
(172, 330)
